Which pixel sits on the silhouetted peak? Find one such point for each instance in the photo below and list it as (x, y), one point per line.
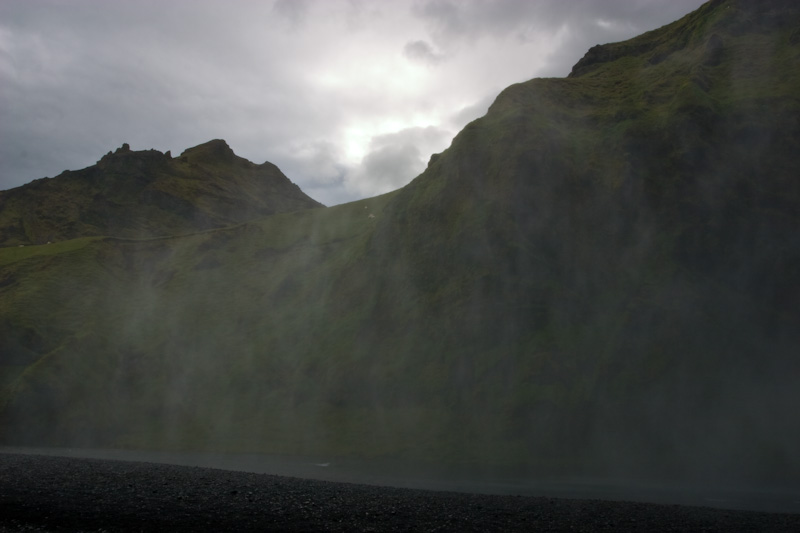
(214, 150)
(706, 27)
(124, 156)
(124, 149)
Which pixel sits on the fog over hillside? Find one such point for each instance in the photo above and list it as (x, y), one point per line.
(597, 279)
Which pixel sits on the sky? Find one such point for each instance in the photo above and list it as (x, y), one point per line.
(348, 97)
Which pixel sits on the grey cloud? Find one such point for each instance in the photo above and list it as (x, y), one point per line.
(321, 160)
(79, 78)
(467, 114)
(589, 23)
(426, 135)
(396, 158)
(299, 14)
(423, 52)
(293, 11)
(453, 24)
(471, 19)
(320, 169)
(391, 166)
(443, 16)
(319, 164)
(66, 100)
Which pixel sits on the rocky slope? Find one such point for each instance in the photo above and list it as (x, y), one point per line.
(140, 194)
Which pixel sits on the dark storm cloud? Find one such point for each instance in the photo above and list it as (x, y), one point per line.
(317, 87)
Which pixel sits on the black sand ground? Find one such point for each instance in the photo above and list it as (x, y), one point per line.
(39, 493)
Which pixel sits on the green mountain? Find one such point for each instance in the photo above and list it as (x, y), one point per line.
(139, 194)
(600, 276)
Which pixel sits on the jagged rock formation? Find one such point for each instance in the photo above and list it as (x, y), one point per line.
(140, 194)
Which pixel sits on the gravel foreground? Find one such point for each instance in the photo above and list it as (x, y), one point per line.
(42, 493)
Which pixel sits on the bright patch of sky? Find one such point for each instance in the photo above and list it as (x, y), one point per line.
(348, 97)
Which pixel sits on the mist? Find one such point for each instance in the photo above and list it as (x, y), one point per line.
(592, 291)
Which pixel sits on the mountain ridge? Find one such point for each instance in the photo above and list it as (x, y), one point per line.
(147, 193)
(658, 44)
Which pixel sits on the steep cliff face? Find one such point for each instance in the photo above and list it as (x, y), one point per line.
(624, 243)
(680, 168)
(599, 276)
(140, 194)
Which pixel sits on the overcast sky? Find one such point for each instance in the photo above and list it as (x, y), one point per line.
(348, 97)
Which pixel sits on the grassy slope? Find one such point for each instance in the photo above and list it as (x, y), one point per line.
(146, 193)
(173, 306)
(600, 273)
(642, 219)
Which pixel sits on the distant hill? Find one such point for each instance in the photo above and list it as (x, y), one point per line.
(140, 194)
(598, 277)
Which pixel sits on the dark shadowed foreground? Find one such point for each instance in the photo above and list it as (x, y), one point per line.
(39, 493)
